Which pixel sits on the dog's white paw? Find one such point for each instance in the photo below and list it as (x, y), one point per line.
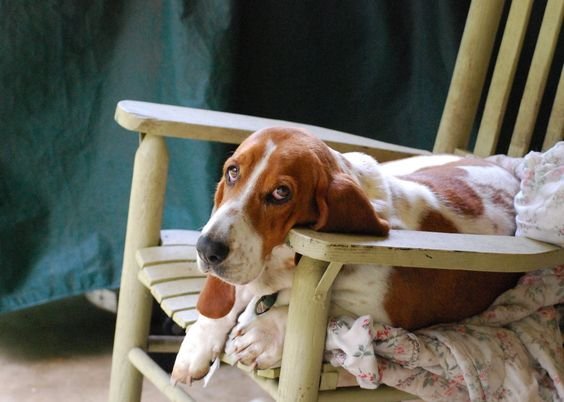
(201, 346)
(259, 343)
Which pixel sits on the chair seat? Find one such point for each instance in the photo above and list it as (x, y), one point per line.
(170, 273)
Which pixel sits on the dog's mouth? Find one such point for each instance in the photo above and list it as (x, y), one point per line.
(226, 272)
(218, 270)
(202, 266)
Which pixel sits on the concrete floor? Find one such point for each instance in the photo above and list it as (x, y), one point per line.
(61, 351)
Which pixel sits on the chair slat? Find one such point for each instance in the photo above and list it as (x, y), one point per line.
(536, 80)
(185, 318)
(328, 381)
(272, 373)
(165, 254)
(555, 128)
(382, 394)
(469, 75)
(154, 274)
(179, 237)
(269, 373)
(180, 287)
(175, 304)
(503, 75)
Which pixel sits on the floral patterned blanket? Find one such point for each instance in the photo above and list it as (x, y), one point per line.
(485, 358)
(511, 352)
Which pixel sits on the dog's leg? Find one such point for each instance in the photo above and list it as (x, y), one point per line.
(205, 340)
(258, 341)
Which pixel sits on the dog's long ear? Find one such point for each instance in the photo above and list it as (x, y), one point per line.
(216, 299)
(344, 207)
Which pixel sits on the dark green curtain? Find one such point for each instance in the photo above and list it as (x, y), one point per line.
(375, 68)
(65, 165)
(380, 69)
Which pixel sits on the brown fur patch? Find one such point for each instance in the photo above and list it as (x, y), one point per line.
(421, 297)
(448, 183)
(434, 221)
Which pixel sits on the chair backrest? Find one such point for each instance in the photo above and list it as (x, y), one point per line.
(471, 70)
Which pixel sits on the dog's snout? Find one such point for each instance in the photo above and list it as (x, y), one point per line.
(211, 251)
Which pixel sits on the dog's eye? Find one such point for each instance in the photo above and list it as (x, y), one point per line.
(232, 174)
(280, 195)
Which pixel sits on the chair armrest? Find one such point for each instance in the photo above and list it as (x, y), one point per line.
(429, 250)
(198, 124)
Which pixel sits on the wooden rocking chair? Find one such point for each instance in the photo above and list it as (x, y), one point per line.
(167, 272)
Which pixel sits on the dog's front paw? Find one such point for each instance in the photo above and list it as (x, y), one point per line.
(201, 346)
(259, 343)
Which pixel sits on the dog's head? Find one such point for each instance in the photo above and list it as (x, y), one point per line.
(277, 179)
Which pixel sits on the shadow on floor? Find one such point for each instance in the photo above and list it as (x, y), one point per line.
(61, 351)
(68, 327)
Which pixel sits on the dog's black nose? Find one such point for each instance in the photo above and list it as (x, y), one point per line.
(211, 251)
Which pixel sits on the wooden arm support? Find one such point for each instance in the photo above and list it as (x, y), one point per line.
(429, 250)
(207, 125)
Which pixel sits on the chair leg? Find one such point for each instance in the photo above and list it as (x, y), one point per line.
(135, 301)
(305, 334)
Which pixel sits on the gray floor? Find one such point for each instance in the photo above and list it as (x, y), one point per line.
(61, 351)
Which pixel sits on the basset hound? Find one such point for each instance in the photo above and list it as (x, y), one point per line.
(279, 178)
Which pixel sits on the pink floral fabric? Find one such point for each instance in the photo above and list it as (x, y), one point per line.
(511, 352)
